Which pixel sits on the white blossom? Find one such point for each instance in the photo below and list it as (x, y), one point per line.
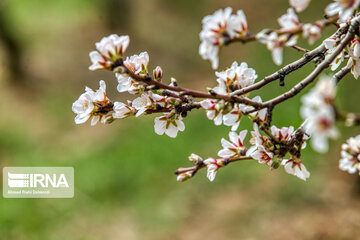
(260, 151)
(218, 28)
(343, 8)
(234, 116)
(331, 44)
(299, 5)
(235, 147)
(235, 77)
(321, 126)
(257, 139)
(213, 165)
(318, 111)
(350, 155)
(262, 155)
(276, 43)
(109, 49)
(312, 31)
(122, 110)
(145, 101)
(296, 168)
(214, 110)
(138, 64)
(261, 115)
(283, 134)
(88, 103)
(289, 21)
(169, 124)
(354, 60)
(126, 83)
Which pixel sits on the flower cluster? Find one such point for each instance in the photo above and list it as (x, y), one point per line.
(229, 101)
(350, 155)
(96, 106)
(234, 78)
(269, 150)
(218, 29)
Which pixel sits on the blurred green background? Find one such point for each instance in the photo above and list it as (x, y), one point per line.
(124, 182)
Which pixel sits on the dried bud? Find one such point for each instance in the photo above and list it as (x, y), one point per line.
(183, 176)
(194, 158)
(158, 73)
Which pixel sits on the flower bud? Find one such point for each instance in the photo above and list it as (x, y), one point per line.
(158, 73)
(220, 105)
(275, 165)
(194, 158)
(173, 82)
(183, 176)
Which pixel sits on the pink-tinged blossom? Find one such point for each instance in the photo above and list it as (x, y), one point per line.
(122, 110)
(88, 104)
(276, 44)
(283, 134)
(350, 155)
(260, 149)
(169, 124)
(234, 116)
(257, 139)
(214, 110)
(158, 73)
(312, 31)
(109, 49)
(218, 28)
(296, 168)
(235, 147)
(289, 21)
(213, 165)
(138, 64)
(262, 155)
(321, 126)
(299, 5)
(343, 8)
(319, 114)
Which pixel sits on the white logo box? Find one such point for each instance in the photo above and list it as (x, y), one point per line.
(38, 182)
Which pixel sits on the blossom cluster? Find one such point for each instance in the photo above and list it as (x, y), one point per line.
(219, 29)
(234, 78)
(229, 101)
(264, 150)
(350, 155)
(97, 106)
